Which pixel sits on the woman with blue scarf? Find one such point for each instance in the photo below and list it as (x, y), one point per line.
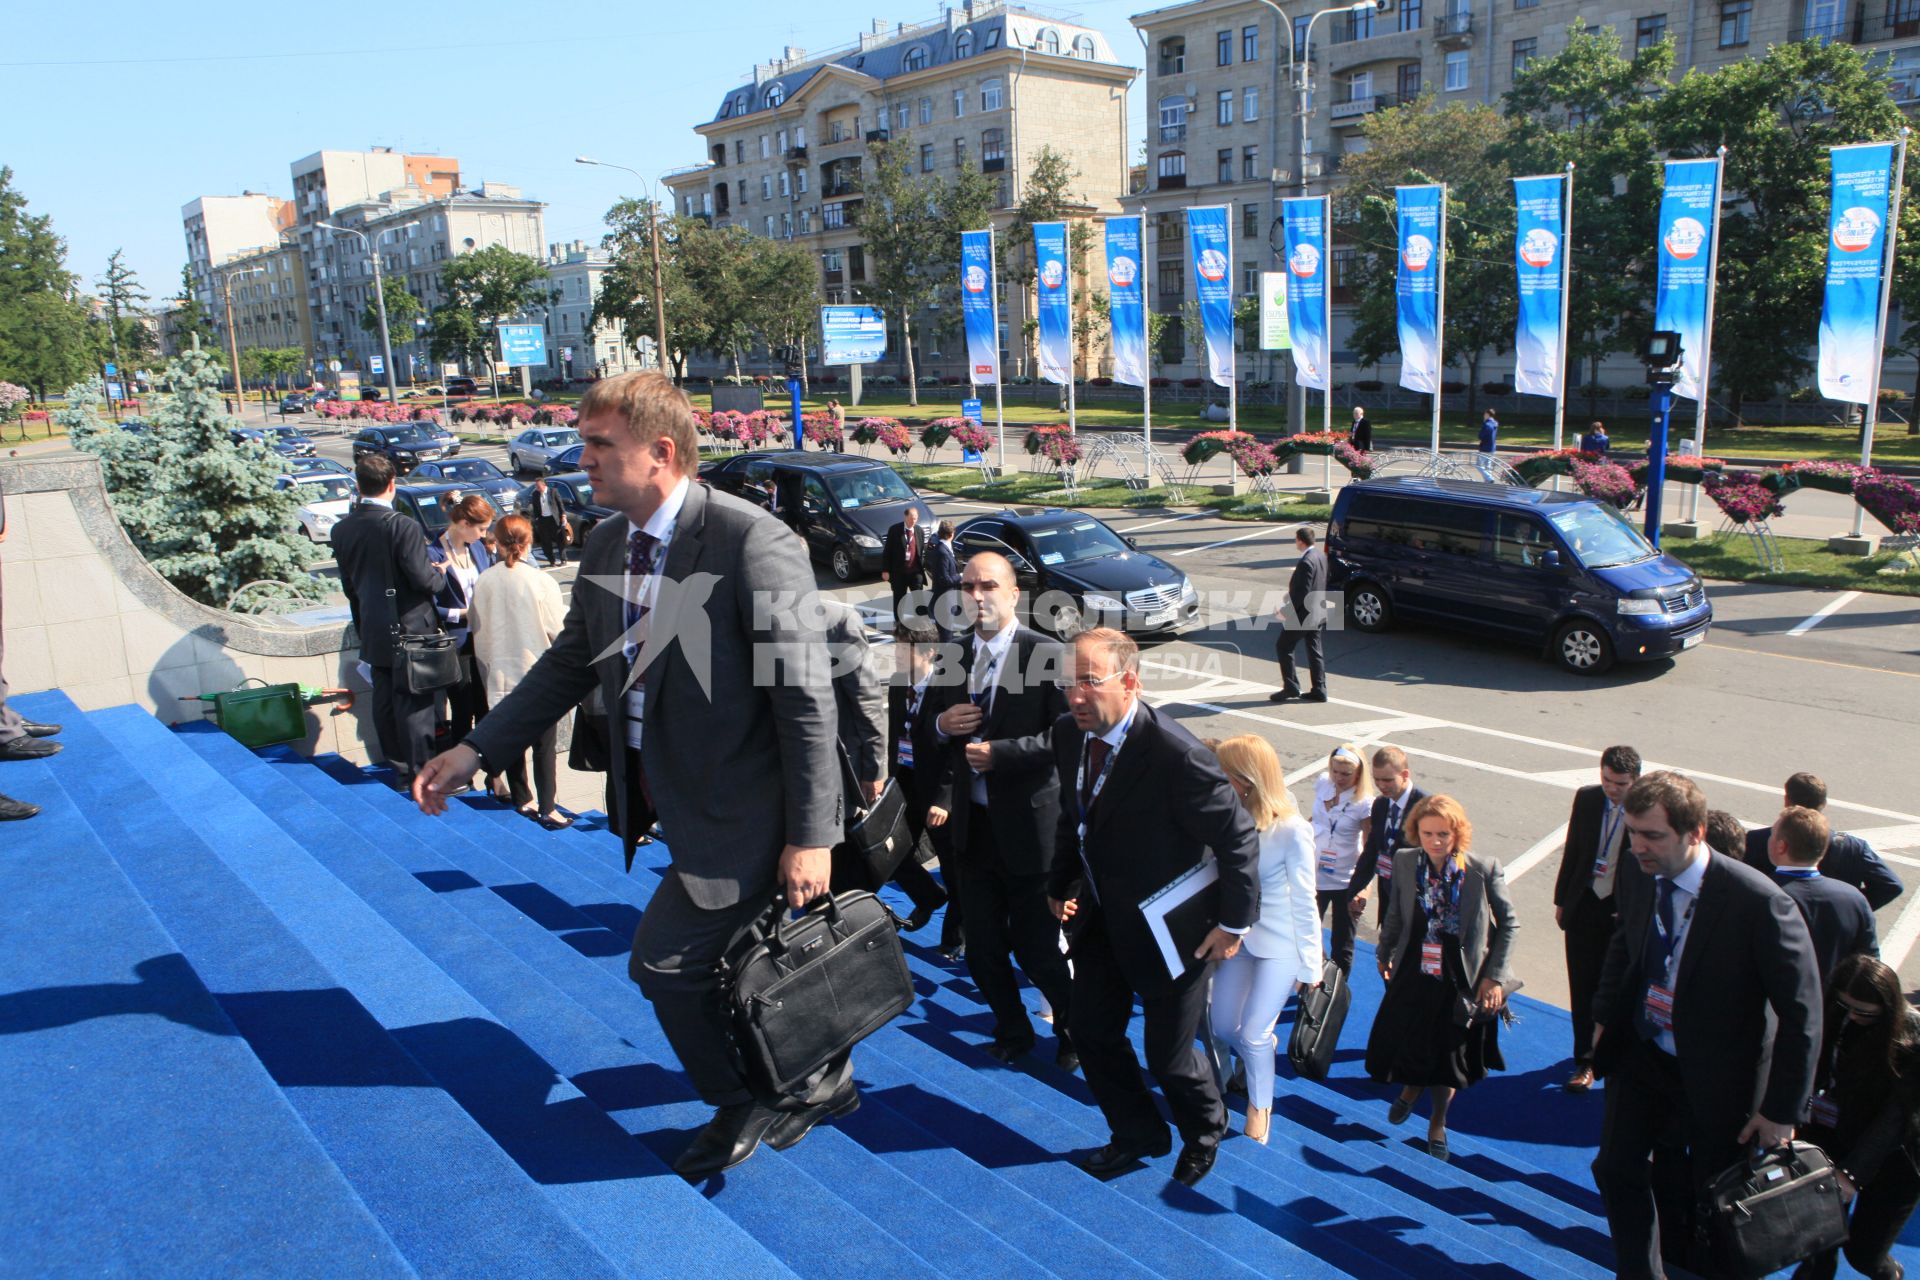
(1443, 953)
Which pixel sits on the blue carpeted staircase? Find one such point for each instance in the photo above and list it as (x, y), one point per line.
(259, 1016)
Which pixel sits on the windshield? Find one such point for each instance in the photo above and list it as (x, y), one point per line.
(1080, 540)
(472, 469)
(1600, 536)
(560, 439)
(583, 492)
(327, 489)
(868, 488)
(286, 433)
(432, 514)
(406, 435)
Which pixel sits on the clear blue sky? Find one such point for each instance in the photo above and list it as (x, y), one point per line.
(121, 112)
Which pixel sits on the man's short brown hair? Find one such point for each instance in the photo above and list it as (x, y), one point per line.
(1117, 645)
(1807, 791)
(1805, 833)
(652, 407)
(1674, 794)
(1392, 759)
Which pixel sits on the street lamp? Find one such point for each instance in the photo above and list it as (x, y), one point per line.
(653, 240)
(233, 342)
(380, 300)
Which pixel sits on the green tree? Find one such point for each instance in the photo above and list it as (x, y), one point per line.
(189, 317)
(269, 366)
(202, 508)
(1048, 196)
(402, 308)
(785, 288)
(44, 340)
(719, 265)
(626, 294)
(485, 289)
(120, 290)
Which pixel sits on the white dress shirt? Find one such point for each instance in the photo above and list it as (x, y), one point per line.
(989, 654)
(1337, 832)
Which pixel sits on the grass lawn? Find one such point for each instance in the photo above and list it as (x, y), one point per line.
(1021, 488)
(1809, 564)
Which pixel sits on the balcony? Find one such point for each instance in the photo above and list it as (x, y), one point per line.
(796, 154)
(1173, 66)
(1454, 30)
(837, 190)
(993, 164)
(1173, 133)
(1355, 108)
(1170, 182)
(878, 135)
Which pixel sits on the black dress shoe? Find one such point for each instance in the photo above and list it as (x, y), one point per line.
(1195, 1163)
(731, 1136)
(923, 915)
(1008, 1052)
(955, 953)
(34, 729)
(795, 1125)
(12, 810)
(1067, 1058)
(1282, 695)
(1316, 695)
(1117, 1158)
(24, 748)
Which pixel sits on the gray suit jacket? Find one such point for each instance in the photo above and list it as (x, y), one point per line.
(858, 693)
(1487, 922)
(737, 768)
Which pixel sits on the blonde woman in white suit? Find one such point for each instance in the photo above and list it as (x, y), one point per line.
(1281, 952)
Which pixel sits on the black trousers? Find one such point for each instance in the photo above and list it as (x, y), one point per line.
(1283, 647)
(1879, 1216)
(954, 876)
(402, 721)
(1343, 930)
(1101, 1009)
(545, 756)
(909, 599)
(1589, 928)
(10, 721)
(1006, 916)
(912, 878)
(549, 533)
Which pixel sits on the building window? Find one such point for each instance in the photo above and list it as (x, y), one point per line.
(1048, 42)
(739, 150)
(1173, 164)
(1407, 81)
(833, 217)
(1300, 38)
(1173, 280)
(1526, 4)
(786, 186)
(1250, 279)
(902, 116)
(1340, 268)
(1903, 17)
(766, 186)
(800, 181)
(990, 95)
(1223, 49)
(1173, 118)
(959, 103)
(1250, 104)
(769, 226)
(963, 45)
(993, 39)
(959, 153)
(1360, 86)
(916, 59)
(1083, 47)
(1223, 165)
(1736, 23)
(993, 146)
(1456, 70)
(776, 94)
(1249, 163)
(786, 226)
(1360, 24)
(926, 111)
(782, 144)
(1250, 220)
(766, 147)
(1173, 56)
(806, 222)
(1523, 53)
(926, 157)
(742, 186)
(1649, 31)
(1409, 15)
(1223, 107)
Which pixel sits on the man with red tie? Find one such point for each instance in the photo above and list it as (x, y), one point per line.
(903, 565)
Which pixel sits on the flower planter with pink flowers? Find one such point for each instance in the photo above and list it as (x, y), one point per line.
(1892, 500)
(1603, 481)
(1742, 496)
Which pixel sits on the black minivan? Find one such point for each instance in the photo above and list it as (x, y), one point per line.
(1559, 568)
(842, 504)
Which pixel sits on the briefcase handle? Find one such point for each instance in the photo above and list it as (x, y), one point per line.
(778, 938)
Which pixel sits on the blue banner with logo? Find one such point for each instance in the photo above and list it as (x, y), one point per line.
(1685, 290)
(1054, 305)
(1417, 290)
(977, 307)
(1126, 306)
(1209, 233)
(1539, 247)
(1856, 257)
(1304, 230)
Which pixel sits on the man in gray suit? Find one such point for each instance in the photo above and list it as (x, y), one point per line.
(1305, 618)
(697, 619)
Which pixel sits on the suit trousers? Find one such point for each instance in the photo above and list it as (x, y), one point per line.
(1006, 916)
(10, 721)
(1283, 647)
(548, 532)
(1249, 992)
(1102, 1006)
(1650, 1184)
(402, 721)
(1341, 953)
(545, 760)
(1589, 929)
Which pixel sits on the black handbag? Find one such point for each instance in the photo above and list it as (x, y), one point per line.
(1776, 1209)
(423, 664)
(878, 836)
(800, 992)
(1317, 1022)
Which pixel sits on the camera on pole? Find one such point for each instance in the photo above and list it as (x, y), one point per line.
(790, 357)
(1661, 355)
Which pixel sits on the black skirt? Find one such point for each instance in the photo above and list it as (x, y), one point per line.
(1415, 1040)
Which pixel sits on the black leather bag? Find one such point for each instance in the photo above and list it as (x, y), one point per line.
(878, 836)
(1317, 1022)
(427, 663)
(803, 991)
(1781, 1207)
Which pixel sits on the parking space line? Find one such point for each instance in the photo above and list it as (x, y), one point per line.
(1900, 939)
(1197, 515)
(1832, 607)
(1257, 533)
(1537, 854)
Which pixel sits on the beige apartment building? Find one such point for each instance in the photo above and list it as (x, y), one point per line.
(577, 348)
(218, 227)
(986, 86)
(269, 294)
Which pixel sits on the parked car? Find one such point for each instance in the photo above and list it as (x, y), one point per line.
(461, 386)
(1075, 572)
(533, 449)
(372, 393)
(299, 468)
(1507, 561)
(583, 513)
(407, 444)
(325, 500)
(135, 426)
(568, 459)
(290, 442)
(841, 504)
(247, 435)
(427, 503)
(474, 475)
(295, 402)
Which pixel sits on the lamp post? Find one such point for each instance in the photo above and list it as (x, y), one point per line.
(380, 300)
(233, 341)
(653, 242)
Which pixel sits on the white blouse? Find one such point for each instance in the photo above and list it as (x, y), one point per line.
(1288, 930)
(1339, 819)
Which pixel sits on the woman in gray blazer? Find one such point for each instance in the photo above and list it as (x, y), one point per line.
(1443, 953)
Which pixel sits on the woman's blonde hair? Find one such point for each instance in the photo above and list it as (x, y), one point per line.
(1450, 811)
(1251, 760)
(1347, 753)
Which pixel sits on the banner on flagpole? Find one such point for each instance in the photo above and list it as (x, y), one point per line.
(1539, 240)
(1126, 305)
(1856, 253)
(1055, 313)
(1688, 208)
(1417, 289)
(1210, 235)
(1304, 232)
(977, 307)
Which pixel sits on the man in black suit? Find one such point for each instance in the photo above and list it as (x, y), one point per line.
(1710, 1001)
(1304, 618)
(943, 568)
(697, 620)
(550, 528)
(390, 584)
(19, 739)
(1393, 780)
(1584, 897)
(904, 561)
(1837, 914)
(911, 738)
(995, 722)
(1848, 859)
(1145, 805)
(1360, 435)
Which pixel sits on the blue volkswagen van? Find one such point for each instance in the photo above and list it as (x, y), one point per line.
(1558, 569)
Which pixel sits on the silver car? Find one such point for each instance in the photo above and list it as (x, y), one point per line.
(533, 449)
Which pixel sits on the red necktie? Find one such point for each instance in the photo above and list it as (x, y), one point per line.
(913, 548)
(1097, 750)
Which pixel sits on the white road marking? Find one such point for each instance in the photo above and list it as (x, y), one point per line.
(1198, 515)
(1832, 607)
(1538, 854)
(1884, 838)
(1257, 533)
(1900, 939)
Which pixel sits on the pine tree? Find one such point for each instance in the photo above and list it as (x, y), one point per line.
(120, 290)
(43, 324)
(189, 317)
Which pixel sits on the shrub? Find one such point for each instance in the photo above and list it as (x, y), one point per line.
(1497, 388)
(928, 380)
(1103, 382)
(886, 380)
(1803, 395)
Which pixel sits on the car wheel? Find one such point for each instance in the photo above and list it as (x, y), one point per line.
(1067, 622)
(1582, 648)
(1367, 608)
(843, 564)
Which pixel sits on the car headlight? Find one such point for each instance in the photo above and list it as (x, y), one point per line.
(866, 540)
(1641, 608)
(1101, 604)
(1187, 589)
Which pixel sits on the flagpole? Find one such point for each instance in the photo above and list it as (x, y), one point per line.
(1871, 416)
(1566, 289)
(1066, 236)
(1706, 337)
(999, 374)
(1439, 321)
(1146, 352)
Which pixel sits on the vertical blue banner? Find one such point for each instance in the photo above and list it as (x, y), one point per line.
(1417, 289)
(1539, 241)
(1682, 297)
(1208, 231)
(1304, 228)
(1056, 313)
(1856, 256)
(977, 307)
(1126, 305)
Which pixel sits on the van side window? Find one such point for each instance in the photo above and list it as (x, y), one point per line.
(982, 537)
(1520, 539)
(1367, 519)
(1419, 525)
(813, 497)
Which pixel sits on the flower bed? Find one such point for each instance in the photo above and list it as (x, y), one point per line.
(1359, 465)
(821, 429)
(1548, 463)
(1742, 496)
(1892, 500)
(1061, 448)
(970, 435)
(1604, 481)
(1209, 445)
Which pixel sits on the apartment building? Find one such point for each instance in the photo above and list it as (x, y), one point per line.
(575, 347)
(986, 86)
(218, 227)
(268, 288)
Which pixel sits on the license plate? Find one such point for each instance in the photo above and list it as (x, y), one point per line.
(1693, 640)
(1159, 619)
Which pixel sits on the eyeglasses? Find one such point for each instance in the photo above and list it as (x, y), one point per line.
(1086, 682)
(1860, 1012)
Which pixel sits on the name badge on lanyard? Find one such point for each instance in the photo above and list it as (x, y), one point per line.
(1604, 858)
(1430, 959)
(1086, 806)
(1825, 1112)
(1660, 994)
(1660, 1006)
(1383, 866)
